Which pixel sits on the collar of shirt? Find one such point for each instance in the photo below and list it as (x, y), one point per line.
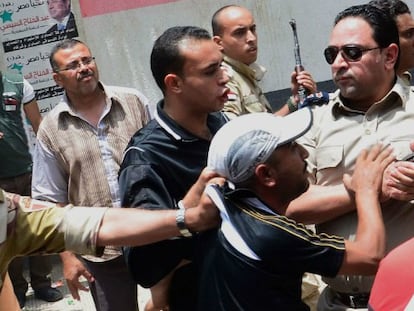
(111, 98)
(406, 77)
(231, 192)
(64, 21)
(398, 95)
(214, 122)
(253, 71)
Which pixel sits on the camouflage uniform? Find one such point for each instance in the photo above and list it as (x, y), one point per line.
(245, 95)
(30, 226)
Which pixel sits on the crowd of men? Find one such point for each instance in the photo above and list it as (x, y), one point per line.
(321, 190)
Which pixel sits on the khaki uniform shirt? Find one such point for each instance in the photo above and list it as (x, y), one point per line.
(337, 136)
(30, 227)
(245, 96)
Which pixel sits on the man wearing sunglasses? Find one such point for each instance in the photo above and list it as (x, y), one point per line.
(371, 104)
(77, 158)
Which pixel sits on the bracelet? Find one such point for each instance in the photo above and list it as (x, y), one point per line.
(292, 105)
(180, 220)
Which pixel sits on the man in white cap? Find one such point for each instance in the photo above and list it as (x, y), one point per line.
(256, 260)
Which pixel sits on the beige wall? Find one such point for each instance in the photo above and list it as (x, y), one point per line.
(122, 41)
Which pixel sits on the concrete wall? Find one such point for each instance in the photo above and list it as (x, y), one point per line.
(122, 41)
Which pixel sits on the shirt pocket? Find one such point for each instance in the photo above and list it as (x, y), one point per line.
(252, 104)
(401, 148)
(329, 157)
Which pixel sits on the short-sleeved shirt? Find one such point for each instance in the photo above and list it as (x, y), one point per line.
(15, 92)
(245, 95)
(162, 161)
(256, 260)
(336, 138)
(38, 227)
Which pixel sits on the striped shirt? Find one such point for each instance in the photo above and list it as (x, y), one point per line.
(257, 258)
(76, 162)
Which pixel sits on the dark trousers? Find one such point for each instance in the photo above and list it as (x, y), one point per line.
(40, 267)
(114, 288)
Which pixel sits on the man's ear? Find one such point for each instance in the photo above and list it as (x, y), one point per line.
(391, 55)
(265, 175)
(57, 78)
(173, 83)
(219, 42)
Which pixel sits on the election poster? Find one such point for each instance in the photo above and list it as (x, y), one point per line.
(28, 31)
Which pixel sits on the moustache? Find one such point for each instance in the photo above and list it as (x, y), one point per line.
(83, 75)
(340, 74)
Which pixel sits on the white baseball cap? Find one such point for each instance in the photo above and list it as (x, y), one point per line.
(248, 140)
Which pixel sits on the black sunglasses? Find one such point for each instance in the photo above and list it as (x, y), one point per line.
(350, 52)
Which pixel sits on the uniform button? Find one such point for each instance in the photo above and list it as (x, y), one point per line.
(368, 132)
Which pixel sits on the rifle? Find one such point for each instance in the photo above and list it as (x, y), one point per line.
(298, 66)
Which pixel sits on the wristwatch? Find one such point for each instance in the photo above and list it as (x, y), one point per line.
(180, 220)
(292, 105)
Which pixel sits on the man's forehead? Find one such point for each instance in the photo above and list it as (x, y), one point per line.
(236, 17)
(235, 12)
(196, 50)
(405, 22)
(351, 30)
(73, 52)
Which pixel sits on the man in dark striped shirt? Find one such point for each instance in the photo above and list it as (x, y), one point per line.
(256, 260)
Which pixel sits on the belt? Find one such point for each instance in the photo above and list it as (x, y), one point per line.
(354, 300)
